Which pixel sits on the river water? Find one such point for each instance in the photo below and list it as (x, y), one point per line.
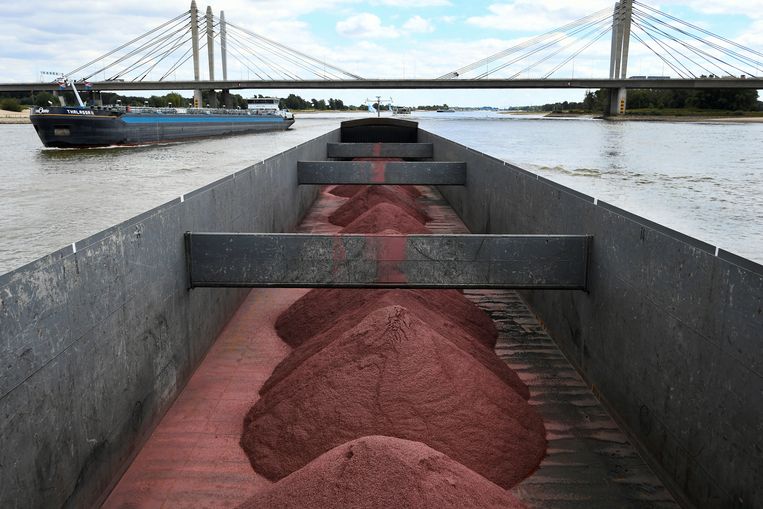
(703, 179)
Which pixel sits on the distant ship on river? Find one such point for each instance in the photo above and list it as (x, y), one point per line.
(98, 126)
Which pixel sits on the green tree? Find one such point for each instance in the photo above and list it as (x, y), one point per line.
(175, 99)
(41, 99)
(10, 104)
(295, 102)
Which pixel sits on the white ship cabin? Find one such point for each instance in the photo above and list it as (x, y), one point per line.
(263, 104)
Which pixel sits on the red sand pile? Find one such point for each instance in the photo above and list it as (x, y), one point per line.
(350, 190)
(394, 375)
(322, 308)
(372, 196)
(385, 216)
(379, 472)
(424, 305)
(347, 190)
(412, 364)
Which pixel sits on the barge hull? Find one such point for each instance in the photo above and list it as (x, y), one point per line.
(84, 131)
(99, 338)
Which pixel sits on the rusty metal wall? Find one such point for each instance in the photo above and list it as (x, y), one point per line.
(95, 343)
(669, 336)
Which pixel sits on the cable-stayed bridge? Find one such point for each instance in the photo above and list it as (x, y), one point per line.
(683, 55)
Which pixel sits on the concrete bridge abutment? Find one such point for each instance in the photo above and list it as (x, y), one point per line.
(617, 101)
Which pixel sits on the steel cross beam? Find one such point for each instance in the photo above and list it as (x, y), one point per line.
(403, 150)
(387, 261)
(392, 84)
(421, 173)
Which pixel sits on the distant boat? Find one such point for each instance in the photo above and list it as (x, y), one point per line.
(449, 110)
(97, 126)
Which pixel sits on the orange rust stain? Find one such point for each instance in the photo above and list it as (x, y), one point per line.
(378, 171)
(339, 253)
(390, 252)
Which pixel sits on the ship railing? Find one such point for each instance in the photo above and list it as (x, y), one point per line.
(192, 111)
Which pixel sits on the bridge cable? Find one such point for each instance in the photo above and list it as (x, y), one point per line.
(245, 43)
(148, 57)
(553, 54)
(636, 36)
(699, 29)
(293, 51)
(523, 45)
(698, 51)
(669, 50)
(159, 39)
(181, 41)
(244, 50)
(244, 46)
(271, 61)
(249, 69)
(293, 58)
(559, 38)
(601, 34)
(78, 69)
(727, 51)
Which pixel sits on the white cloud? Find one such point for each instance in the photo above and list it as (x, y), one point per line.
(417, 24)
(412, 3)
(535, 15)
(365, 25)
(749, 8)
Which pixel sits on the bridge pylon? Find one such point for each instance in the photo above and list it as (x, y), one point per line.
(197, 101)
(618, 63)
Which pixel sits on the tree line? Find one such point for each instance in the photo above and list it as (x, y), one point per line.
(594, 101)
(659, 99)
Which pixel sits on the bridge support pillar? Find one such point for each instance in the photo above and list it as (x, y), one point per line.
(617, 100)
(210, 43)
(224, 45)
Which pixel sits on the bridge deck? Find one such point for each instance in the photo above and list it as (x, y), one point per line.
(399, 84)
(193, 458)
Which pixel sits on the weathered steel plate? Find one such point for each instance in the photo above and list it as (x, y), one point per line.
(403, 261)
(381, 172)
(404, 150)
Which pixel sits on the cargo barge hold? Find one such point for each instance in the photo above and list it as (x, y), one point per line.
(131, 357)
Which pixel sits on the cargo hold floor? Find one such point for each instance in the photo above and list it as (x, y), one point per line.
(193, 458)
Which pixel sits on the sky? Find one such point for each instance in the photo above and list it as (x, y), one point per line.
(370, 38)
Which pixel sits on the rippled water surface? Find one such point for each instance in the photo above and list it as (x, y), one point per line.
(703, 179)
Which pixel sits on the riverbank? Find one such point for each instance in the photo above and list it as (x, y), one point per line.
(14, 117)
(687, 118)
(715, 117)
